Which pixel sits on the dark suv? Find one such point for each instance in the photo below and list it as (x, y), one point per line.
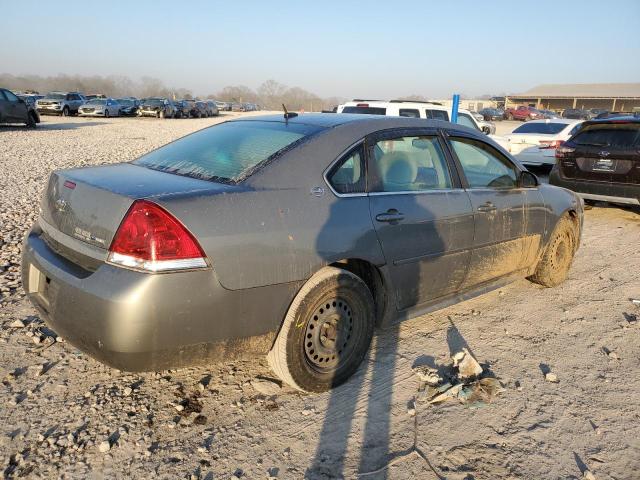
(602, 161)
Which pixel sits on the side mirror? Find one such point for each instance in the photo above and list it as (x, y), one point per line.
(528, 179)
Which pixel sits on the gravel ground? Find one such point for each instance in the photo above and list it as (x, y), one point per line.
(64, 415)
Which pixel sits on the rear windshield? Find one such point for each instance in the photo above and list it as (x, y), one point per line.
(613, 135)
(228, 152)
(366, 110)
(542, 128)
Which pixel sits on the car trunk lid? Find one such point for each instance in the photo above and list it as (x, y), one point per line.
(89, 204)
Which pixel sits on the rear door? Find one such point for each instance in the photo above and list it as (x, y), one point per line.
(499, 207)
(422, 216)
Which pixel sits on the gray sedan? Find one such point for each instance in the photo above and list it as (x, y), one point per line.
(289, 237)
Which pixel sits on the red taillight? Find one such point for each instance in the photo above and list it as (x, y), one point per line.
(70, 184)
(150, 238)
(550, 144)
(364, 105)
(562, 152)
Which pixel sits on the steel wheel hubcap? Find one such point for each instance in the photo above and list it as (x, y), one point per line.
(328, 336)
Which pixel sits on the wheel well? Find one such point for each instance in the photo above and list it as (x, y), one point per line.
(373, 278)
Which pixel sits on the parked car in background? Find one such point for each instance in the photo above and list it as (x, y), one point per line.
(203, 109)
(29, 99)
(180, 255)
(478, 116)
(223, 106)
(523, 113)
(535, 142)
(549, 114)
(237, 107)
(487, 127)
(577, 114)
(100, 107)
(182, 109)
(595, 112)
(188, 109)
(128, 106)
(17, 110)
(212, 108)
(602, 161)
(91, 96)
(492, 114)
(157, 107)
(409, 108)
(60, 103)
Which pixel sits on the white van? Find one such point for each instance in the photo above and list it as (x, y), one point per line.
(415, 109)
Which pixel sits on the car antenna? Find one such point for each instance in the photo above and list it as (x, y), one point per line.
(288, 114)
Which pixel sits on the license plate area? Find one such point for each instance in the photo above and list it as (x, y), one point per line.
(603, 165)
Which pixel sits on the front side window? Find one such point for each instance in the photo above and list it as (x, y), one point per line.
(348, 175)
(483, 165)
(228, 152)
(414, 163)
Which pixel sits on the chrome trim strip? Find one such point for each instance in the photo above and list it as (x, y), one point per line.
(416, 192)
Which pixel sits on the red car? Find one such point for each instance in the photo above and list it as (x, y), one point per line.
(523, 113)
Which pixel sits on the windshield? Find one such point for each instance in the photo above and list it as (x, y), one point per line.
(541, 128)
(97, 101)
(153, 101)
(57, 96)
(228, 152)
(124, 101)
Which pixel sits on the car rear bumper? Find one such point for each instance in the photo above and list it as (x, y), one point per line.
(602, 191)
(140, 322)
(536, 158)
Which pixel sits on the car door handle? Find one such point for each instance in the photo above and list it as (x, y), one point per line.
(487, 207)
(392, 215)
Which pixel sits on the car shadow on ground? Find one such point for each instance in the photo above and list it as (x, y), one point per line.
(48, 126)
(367, 397)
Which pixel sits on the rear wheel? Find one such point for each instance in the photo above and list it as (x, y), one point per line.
(558, 256)
(65, 112)
(326, 332)
(161, 114)
(106, 113)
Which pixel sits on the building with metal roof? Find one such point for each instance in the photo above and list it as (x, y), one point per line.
(624, 97)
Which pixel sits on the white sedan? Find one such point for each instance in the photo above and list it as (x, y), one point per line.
(535, 142)
(100, 107)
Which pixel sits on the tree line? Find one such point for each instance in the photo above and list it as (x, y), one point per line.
(270, 95)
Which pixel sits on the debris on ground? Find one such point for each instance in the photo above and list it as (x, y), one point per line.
(551, 377)
(266, 386)
(635, 301)
(464, 381)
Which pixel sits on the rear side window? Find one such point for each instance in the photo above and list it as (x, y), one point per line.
(437, 115)
(542, 128)
(409, 112)
(348, 175)
(613, 135)
(365, 110)
(408, 164)
(228, 152)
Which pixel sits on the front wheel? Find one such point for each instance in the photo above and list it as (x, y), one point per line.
(558, 255)
(326, 332)
(106, 113)
(65, 112)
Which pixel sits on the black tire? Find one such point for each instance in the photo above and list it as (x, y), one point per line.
(65, 111)
(509, 117)
(31, 120)
(326, 332)
(106, 114)
(556, 261)
(161, 114)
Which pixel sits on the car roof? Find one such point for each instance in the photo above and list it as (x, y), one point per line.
(362, 122)
(614, 120)
(568, 121)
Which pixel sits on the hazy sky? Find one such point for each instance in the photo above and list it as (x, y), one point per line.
(344, 48)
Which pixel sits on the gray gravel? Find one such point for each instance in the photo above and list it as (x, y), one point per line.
(64, 415)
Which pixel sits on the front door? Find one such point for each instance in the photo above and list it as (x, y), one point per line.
(422, 217)
(500, 209)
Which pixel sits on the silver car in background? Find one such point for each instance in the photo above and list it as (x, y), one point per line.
(100, 107)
